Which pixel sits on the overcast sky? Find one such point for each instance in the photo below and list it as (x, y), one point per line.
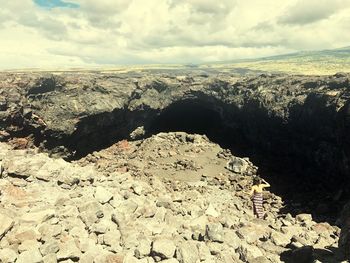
(90, 33)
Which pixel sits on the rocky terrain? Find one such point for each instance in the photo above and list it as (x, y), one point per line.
(167, 198)
(131, 187)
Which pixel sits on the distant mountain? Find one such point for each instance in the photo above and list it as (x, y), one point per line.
(339, 52)
(321, 62)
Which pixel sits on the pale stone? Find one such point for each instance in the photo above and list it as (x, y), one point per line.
(215, 232)
(49, 247)
(68, 250)
(303, 217)
(211, 211)
(6, 223)
(248, 252)
(280, 239)
(165, 248)
(38, 217)
(30, 256)
(28, 245)
(187, 252)
(50, 258)
(103, 195)
(7, 255)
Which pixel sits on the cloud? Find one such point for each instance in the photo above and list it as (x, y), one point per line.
(108, 32)
(311, 11)
(206, 6)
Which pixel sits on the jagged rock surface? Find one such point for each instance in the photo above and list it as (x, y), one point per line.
(106, 208)
(67, 113)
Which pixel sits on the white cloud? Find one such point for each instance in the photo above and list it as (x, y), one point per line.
(306, 12)
(165, 31)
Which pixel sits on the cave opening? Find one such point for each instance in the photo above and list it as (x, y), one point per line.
(303, 187)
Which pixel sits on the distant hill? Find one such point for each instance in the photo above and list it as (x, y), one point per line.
(305, 62)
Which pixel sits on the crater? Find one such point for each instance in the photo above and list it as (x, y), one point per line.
(294, 128)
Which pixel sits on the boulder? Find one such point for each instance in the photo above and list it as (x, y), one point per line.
(248, 253)
(6, 223)
(214, 232)
(164, 248)
(187, 252)
(30, 256)
(303, 217)
(8, 255)
(38, 217)
(50, 258)
(102, 195)
(280, 239)
(68, 250)
(237, 165)
(211, 211)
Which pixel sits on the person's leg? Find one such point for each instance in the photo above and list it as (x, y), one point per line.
(258, 208)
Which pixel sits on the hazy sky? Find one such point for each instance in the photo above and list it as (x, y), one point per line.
(84, 33)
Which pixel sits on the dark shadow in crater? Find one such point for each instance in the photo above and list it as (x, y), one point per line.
(308, 254)
(275, 147)
(191, 117)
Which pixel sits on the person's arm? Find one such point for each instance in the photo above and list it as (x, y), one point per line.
(265, 184)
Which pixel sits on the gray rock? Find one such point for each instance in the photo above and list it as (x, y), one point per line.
(28, 245)
(26, 234)
(248, 252)
(137, 188)
(87, 244)
(101, 227)
(199, 224)
(231, 239)
(253, 232)
(49, 247)
(187, 252)
(130, 259)
(51, 170)
(303, 217)
(50, 258)
(164, 248)
(24, 165)
(211, 211)
(6, 223)
(112, 238)
(68, 250)
(91, 212)
(237, 165)
(102, 195)
(172, 260)
(215, 248)
(127, 207)
(8, 255)
(37, 217)
(215, 232)
(138, 133)
(69, 176)
(261, 259)
(30, 256)
(143, 249)
(203, 251)
(280, 239)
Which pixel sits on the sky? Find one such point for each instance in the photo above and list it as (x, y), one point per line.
(51, 34)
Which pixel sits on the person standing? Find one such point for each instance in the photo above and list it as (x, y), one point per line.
(257, 195)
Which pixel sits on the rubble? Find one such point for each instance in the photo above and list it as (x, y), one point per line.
(153, 212)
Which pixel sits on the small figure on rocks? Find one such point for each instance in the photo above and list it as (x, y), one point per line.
(257, 192)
